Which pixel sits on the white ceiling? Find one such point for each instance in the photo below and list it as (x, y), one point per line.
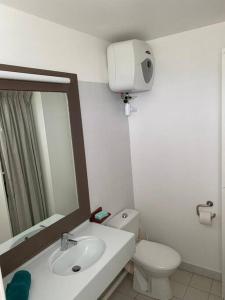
(116, 20)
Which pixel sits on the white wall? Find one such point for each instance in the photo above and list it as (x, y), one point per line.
(39, 120)
(60, 149)
(175, 144)
(107, 148)
(51, 117)
(33, 42)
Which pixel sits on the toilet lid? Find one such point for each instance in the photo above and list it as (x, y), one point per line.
(156, 256)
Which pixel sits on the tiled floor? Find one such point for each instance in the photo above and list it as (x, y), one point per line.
(185, 285)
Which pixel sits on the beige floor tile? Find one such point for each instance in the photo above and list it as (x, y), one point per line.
(126, 287)
(214, 297)
(181, 276)
(119, 296)
(201, 283)
(143, 297)
(194, 294)
(216, 288)
(178, 289)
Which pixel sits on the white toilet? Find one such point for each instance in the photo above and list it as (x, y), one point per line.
(153, 262)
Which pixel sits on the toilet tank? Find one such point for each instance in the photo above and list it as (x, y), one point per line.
(127, 219)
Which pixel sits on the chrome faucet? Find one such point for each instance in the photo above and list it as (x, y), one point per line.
(67, 241)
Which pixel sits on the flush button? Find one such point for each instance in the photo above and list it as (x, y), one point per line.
(124, 215)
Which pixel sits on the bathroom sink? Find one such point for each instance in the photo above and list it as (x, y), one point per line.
(77, 258)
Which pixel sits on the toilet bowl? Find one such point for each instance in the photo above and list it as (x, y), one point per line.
(153, 262)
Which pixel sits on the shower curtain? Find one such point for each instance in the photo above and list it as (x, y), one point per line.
(20, 157)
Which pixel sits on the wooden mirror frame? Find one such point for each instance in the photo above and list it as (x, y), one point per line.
(18, 255)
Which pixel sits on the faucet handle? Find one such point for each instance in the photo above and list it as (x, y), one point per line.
(66, 240)
(66, 235)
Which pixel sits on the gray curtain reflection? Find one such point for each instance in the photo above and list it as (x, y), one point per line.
(21, 161)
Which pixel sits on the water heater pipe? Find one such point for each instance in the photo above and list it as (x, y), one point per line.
(129, 108)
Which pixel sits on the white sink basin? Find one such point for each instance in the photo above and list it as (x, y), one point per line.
(79, 257)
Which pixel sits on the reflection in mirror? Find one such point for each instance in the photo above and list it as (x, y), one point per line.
(37, 173)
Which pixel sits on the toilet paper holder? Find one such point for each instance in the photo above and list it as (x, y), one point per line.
(208, 204)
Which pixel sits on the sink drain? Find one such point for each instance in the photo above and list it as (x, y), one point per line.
(76, 268)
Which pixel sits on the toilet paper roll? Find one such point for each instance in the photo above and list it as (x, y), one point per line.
(205, 217)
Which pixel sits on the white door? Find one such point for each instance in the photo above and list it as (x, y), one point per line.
(223, 173)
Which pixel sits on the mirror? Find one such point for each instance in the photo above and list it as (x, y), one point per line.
(37, 169)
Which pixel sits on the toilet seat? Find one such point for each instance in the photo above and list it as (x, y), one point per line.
(156, 257)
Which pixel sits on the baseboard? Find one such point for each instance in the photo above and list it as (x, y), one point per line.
(201, 271)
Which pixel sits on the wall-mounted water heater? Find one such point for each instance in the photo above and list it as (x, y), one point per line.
(130, 68)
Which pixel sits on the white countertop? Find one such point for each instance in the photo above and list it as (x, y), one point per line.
(90, 283)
